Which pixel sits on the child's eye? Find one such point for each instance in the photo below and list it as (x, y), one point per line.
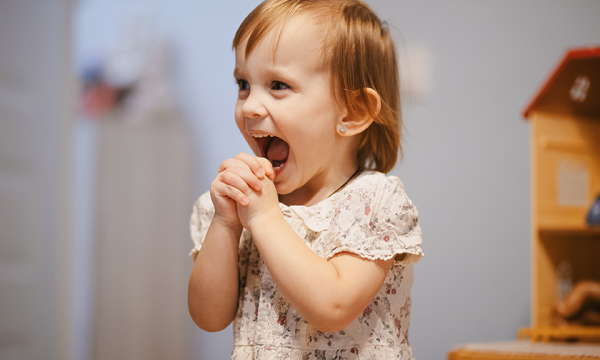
(243, 84)
(278, 85)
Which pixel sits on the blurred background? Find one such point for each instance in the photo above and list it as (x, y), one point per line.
(115, 114)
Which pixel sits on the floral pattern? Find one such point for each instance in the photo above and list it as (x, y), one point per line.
(371, 217)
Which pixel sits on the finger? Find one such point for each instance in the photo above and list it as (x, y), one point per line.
(227, 164)
(253, 163)
(240, 167)
(231, 163)
(266, 164)
(243, 171)
(231, 178)
(233, 192)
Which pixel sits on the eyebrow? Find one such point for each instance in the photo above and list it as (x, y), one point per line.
(281, 73)
(236, 72)
(276, 73)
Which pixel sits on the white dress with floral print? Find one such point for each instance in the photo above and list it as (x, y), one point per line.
(371, 217)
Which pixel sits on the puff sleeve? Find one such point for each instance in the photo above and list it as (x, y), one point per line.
(376, 221)
(203, 212)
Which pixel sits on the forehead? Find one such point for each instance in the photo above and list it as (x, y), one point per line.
(299, 38)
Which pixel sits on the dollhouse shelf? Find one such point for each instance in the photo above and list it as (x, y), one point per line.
(582, 231)
(545, 334)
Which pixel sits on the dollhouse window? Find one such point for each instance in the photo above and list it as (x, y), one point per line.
(580, 88)
(572, 183)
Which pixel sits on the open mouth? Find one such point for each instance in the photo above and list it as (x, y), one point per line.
(276, 150)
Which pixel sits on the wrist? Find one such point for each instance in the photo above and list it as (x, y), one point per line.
(235, 226)
(264, 220)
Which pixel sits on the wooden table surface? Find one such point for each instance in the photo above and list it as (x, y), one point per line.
(525, 350)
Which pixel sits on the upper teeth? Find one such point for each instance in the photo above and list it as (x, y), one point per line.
(261, 135)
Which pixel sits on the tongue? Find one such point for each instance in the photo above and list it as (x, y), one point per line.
(278, 150)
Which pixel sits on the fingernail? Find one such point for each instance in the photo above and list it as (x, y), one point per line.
(245, 201)
(260, 172)
(259, 185)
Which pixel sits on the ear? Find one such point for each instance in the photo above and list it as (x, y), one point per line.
(359, 122)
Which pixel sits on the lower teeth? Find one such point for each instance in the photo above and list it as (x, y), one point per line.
(277, 163)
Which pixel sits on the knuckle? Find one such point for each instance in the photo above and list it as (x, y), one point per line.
(223, 176)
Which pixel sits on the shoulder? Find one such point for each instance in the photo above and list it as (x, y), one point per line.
(376, 179)
(374, 218)
(377, 185)
(381, 196)
(372, 192)
(203, 204)
(202, 214)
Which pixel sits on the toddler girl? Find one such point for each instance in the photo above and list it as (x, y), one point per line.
(308, 247)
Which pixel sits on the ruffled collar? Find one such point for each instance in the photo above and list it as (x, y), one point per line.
(317, 217)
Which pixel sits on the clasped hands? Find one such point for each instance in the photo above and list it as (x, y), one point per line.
(243, 192)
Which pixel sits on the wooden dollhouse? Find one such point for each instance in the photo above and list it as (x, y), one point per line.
(565, 181)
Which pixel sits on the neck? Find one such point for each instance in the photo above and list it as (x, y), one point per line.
(321, 186)
(328, 179)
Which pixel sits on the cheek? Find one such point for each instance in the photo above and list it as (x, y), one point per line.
(241, 124)
(313, 143)
(239, 117)
(312, 132)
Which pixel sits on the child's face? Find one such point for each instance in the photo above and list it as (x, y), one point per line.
(287, 96)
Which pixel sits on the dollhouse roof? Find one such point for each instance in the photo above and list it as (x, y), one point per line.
(573, 88)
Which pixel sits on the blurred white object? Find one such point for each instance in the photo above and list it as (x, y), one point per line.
(416, 74)
(126, 58)
(152, 97)
(144, 197)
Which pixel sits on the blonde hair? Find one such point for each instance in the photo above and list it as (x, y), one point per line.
(360, 54)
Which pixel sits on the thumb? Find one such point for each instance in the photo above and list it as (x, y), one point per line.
(268, 167)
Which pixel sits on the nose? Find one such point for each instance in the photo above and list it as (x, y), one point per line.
(254, 106)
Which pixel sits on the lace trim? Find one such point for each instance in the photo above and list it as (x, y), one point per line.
(194, 253)
(415, 251)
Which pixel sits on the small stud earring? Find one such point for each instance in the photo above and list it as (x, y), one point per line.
(342, 128)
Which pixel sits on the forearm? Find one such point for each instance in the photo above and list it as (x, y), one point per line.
(326, 297)
(213, 286)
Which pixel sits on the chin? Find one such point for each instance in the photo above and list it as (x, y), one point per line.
(282, 189)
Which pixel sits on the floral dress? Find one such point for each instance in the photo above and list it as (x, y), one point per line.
(371, 217)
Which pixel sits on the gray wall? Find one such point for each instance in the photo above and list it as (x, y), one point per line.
(466, 162)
